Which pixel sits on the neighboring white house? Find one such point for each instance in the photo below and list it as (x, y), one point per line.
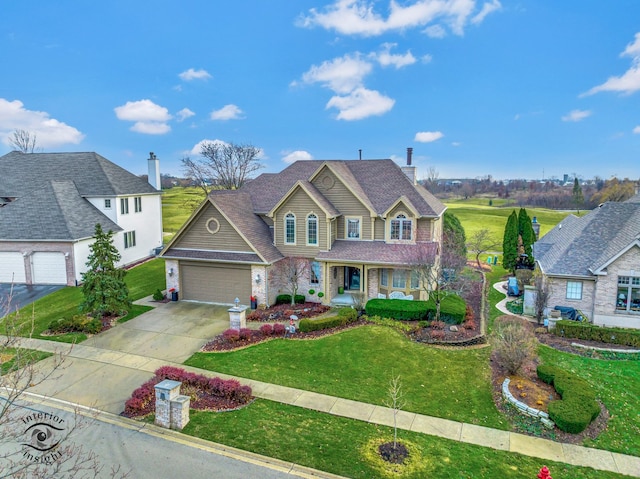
(50, 204)
(592, 263)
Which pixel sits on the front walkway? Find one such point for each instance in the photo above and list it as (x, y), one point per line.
(103, 378)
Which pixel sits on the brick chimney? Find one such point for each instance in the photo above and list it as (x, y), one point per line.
(154, 171)
(410, 170)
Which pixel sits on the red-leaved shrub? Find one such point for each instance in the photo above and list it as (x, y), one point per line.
(469, 324)
(278, 329)
(245, 334)
(469, 315)
(266, 329)
(437, 334)
(231, 335)
(438, 324)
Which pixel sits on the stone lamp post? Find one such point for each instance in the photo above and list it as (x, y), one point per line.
(237, 316)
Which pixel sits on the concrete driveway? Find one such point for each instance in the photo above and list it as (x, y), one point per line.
(104, 370)
(23, 294)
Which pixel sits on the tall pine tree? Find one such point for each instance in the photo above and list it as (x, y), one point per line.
(527, 235)
(510, 243)
(105, 292)
(578, 197)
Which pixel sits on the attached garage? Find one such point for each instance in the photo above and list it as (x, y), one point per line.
(12, 268)
(49, 268)
(213, 283)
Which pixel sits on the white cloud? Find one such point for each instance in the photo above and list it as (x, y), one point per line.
(487, 8)
(576, 115)
(360, 103)
(150, 127)
(192, 74)
(298, 155)
(456, 143)
(342, 75)
(358, 17)
(227, 112)
(428, 136)
(629, 81)
(149, 118)
(184, 114)
(426, 58)
(198, 146)
(386, 58)
(636, 130)
(435, 31)
(49, 131)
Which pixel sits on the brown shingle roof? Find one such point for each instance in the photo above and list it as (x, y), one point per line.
(377, 252)
(218, 256)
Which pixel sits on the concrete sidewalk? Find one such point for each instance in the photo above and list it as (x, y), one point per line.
(105, 369)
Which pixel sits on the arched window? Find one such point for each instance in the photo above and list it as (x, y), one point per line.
(401, 228)
(290, 228)
(312, 230)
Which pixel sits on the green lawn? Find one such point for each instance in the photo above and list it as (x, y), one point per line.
(10, 362)
(142, 281)
(177, 205)
(335, 444)
(358, 364)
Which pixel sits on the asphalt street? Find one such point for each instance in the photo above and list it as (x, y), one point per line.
(137, 449)
(22, 294)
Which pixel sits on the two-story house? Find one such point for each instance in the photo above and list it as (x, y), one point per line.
(592, 263)
(50, 204)
(358, 223)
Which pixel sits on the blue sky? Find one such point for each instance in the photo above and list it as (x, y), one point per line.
(514, 89)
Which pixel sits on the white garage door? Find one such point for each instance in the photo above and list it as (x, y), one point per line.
(12, 268)
(49, 268)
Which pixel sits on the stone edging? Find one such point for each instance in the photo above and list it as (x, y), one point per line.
(609, 350)
(523, 408)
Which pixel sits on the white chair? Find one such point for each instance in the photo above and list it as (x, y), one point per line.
(382, 296)
(408, 297)
(396, 295)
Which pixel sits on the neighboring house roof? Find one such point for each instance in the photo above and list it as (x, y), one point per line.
(377, 183)
(378, 252)
(48, 192)
(583, 246)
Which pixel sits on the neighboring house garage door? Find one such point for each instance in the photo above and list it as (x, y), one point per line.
(12, 268)
(215, 284)
(49, 268)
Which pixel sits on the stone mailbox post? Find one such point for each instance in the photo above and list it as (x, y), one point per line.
(172, 409)
(237, 316)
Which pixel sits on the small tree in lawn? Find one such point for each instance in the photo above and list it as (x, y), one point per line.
(288, 272)
(395, 402)
(105, 292)
(481, 242)
(510, 243)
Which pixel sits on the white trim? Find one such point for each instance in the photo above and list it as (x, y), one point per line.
(288, 216)
(346, 228)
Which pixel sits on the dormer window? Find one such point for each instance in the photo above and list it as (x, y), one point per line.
(353, 228)
(290, 229)
(401, 228)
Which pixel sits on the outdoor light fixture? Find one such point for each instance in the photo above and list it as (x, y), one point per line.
(237, 302)
(258, 278)
(170, 271)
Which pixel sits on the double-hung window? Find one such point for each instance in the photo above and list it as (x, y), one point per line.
(124, 206)
(401, 228)
(290, 228)
(628, 294)
(315, 272)
(384, 277)
(129, 239)
(399, 279)
(353, 228)
(574, 289)
(312, 230)
(137, 204)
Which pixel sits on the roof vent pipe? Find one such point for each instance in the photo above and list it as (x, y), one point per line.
(409, 155)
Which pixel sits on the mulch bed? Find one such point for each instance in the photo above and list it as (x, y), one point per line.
(282, 312)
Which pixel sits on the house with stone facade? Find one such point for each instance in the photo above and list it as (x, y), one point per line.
(592, 263)
(357, 224)
(50, 204)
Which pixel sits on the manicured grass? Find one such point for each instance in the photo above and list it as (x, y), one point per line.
(334, 444)
(618, 386)
(26, 356)
(142, 281)
(177, 205)
(475, 214)
(358, 364)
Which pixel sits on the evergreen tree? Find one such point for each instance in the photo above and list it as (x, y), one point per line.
(453, 235)
(526, 235)
(578, 197)
(105, 292)
(510, 243)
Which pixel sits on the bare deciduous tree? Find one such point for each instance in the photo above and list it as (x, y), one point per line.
(288, 272)
(481, 242)
(24, 141)
(395, 402)
(35, 444)
(223, 165)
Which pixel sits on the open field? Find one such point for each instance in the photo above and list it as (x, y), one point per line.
(177, 205)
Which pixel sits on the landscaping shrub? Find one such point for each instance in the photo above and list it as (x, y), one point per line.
(469, 314)
(286, 299)
(244, 334)
(79, 323)
(469, 324)
(590, 332)
(397, 309)
(158, 295)
(514, 343)
(308, 325)
(278, 329)
(437, 324)
(348, 314)
(231, 335)
(205, 392)
(452, 309)
(437, 334)
(578, 407)
(266, 329)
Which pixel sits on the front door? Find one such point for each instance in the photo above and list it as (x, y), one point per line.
(351, 278)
